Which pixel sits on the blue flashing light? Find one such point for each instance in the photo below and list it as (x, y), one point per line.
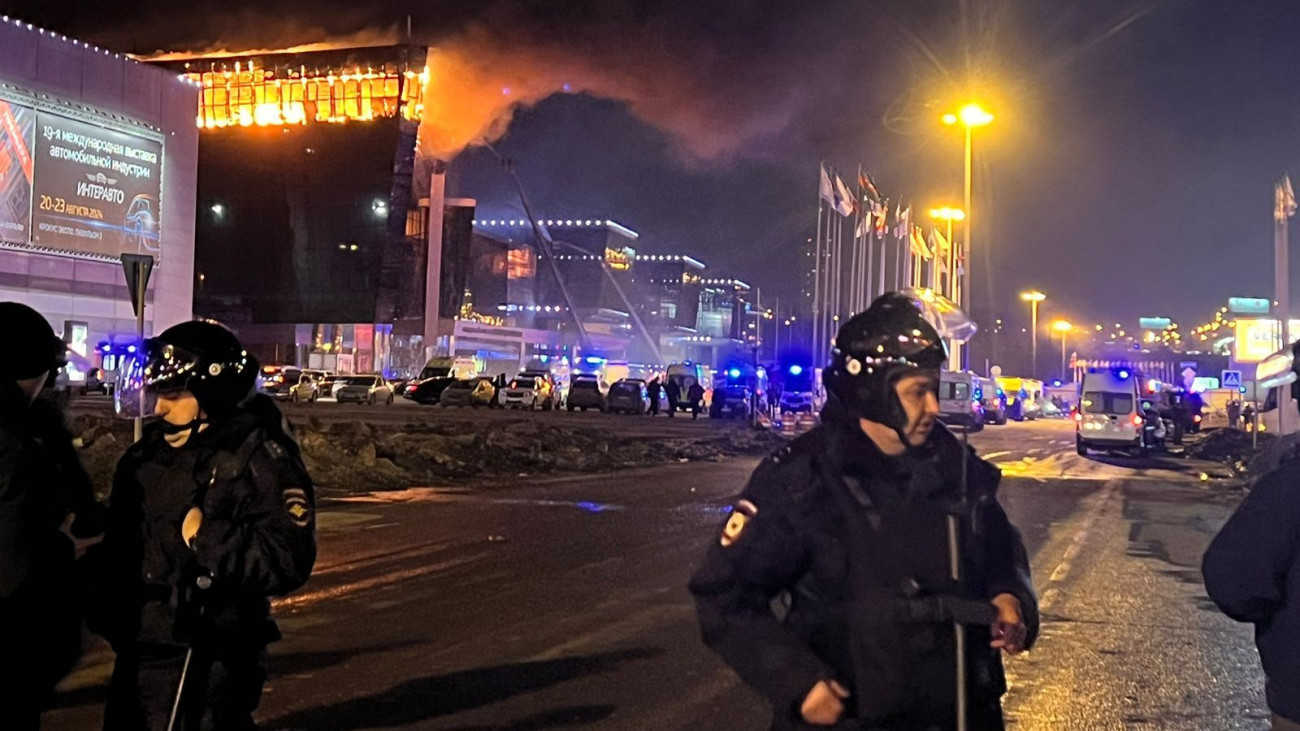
(106, 348)
(593, 359)
(1242, 389)
(1123, 375)
(130, 348)
(734, 373)
(796, 370)
(1056, 383)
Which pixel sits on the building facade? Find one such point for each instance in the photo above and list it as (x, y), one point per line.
(98, 158)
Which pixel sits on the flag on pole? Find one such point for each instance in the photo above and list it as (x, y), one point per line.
(844, 202)
(918, 246)
(904, 226)
(1284, 196)
(881, 214)
(939, 245)
(869, 190)
(824, 190)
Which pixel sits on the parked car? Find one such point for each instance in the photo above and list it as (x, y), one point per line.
(585, 393)
(993, 400)
(308, 387)
(797, 402)
(629, 395)
(277, 381)
(730, 401)
(958, 405)
(430, 390)
(527, 391)
(1110, 413)
(369, 388)
(475, 392)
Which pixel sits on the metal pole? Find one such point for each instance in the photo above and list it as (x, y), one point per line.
(1062, 371)
(962, 296)
(139, 344)
(180, 690)
(1033, 308)
(817, 287)
(1282, 294)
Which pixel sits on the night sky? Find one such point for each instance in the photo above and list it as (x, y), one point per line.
(1129, 171)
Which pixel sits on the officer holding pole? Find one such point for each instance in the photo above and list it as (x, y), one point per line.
(212, 514)
(900, 579)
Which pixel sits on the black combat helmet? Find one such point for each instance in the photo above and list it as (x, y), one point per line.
(37, 350)
(201, 357)
(876, 348)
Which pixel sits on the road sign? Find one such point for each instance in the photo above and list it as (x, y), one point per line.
(1231, 379)
(137, 267)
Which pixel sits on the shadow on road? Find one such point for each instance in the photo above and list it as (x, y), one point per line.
(554, 718)
(420, 699)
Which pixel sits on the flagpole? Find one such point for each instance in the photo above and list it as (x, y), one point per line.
(817, 279)
(1284, 206)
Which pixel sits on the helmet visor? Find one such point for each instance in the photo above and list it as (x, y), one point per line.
(158, 368)
(951, 322)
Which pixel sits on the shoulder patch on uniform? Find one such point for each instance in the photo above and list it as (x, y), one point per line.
(297, 507)
(741, 513)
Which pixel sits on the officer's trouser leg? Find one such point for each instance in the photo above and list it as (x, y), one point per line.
(142, 690)
(234, 688)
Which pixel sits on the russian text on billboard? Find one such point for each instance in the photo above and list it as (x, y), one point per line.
(16, 126)
(96, 191)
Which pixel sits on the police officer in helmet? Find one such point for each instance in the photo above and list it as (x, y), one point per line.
(212, 513)
(1252, 567)
(848, 528)
(48, 516)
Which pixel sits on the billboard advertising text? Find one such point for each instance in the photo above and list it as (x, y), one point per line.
(96, 191)
(16, 126)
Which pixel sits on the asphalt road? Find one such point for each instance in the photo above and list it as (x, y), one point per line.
(561, 603)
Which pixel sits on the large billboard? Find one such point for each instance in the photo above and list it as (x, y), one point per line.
(17, 124)
(1257, 339)
(95, 190)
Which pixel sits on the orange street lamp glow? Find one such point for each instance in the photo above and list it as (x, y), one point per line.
(1061, 326)
(973, 115)
(948, 214)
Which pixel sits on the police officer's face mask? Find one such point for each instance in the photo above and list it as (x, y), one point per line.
(918, 395)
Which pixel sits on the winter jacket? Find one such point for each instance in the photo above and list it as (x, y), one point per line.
(853, 546)
(1252, 572)
(257, 539)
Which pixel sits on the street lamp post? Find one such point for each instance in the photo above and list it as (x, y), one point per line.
(1033, 298)
(1064, 328)
(971, 116)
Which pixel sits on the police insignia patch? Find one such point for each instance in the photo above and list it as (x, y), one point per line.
(740, 515)
(296, 505)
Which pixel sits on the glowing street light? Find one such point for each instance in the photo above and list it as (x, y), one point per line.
(1033, 298)
(1064, 328)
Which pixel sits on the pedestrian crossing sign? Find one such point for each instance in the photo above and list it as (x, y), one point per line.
(1231, 379)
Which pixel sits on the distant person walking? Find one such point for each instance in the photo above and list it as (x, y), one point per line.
(655, 389)
(695, 397)
(1234, 414)
(674, 392)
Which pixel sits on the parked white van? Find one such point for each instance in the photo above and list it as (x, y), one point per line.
(1109, 415)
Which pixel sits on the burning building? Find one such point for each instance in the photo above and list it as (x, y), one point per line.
(314, 228)
(97, 159)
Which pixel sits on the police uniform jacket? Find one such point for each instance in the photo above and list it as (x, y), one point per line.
(257, 538)
(834, 565)
(1252, 572)
(42, 480)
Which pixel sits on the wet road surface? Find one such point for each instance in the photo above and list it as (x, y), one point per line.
(561, 603)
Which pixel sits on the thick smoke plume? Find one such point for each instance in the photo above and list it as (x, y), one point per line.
(716, 98)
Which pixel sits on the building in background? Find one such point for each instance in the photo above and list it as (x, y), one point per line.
(98, 157)
(313, 216)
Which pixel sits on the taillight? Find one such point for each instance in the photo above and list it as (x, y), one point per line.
(1137, 420)
(1197, 418)
(1078, 416)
